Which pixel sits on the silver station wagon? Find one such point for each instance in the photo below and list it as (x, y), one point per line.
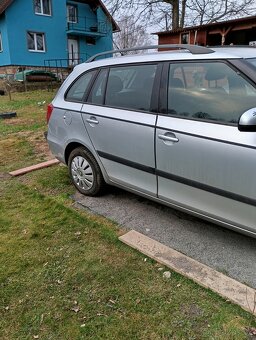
(176, 126)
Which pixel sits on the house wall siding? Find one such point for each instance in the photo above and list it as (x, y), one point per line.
(168, 39)
(21, 18)
(102, 43)
(54, 28)
(175, 38)
(4, 55)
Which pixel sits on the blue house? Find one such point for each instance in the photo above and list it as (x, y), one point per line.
(35, 33)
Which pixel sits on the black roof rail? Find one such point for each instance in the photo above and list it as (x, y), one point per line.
(194, 49)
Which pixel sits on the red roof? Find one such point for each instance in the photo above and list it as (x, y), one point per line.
(220, 23)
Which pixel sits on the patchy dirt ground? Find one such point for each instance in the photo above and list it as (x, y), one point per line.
(19, 121)
(4, 176)
(40, 145)
(21, 149)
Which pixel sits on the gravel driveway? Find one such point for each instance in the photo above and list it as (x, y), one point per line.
(226, 251)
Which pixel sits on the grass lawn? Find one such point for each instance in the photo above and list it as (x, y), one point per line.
(63, 272)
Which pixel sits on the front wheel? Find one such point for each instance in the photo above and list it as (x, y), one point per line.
(85, 172)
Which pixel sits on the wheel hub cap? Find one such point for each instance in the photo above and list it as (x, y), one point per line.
(82, 173)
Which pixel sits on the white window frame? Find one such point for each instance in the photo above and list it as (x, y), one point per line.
(69, 19)
(42, 8)
(35, 41)
(1, 43)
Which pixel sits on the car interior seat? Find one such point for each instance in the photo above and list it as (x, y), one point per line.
(114, 86)
(176, 83)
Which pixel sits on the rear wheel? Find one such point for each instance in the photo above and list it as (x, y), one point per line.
(85, 172)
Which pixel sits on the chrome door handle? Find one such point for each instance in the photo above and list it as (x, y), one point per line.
(168, 138)
(92, 120)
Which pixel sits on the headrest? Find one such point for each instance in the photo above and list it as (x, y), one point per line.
(214, 73)
(176, 83)
(115, 84)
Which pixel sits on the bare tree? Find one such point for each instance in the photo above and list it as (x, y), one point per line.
(208, 11)
(147, 11)
(172, 14)
(131, 34)
(175, 7)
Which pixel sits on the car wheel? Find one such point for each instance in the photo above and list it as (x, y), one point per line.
(85, 172)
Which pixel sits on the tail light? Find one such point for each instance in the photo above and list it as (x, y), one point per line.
(49, 112)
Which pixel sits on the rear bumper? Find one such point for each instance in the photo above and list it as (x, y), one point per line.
(56, 149)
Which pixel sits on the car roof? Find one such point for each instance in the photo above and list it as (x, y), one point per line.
(239, 51)
(177, 55)
(213, 53)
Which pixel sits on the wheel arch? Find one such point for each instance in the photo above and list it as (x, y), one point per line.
(72, 146)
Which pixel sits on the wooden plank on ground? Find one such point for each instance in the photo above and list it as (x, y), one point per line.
(34, 167)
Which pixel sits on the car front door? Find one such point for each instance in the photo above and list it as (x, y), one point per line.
(204, 164)
(119, 119)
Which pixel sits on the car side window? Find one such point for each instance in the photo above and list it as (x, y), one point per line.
(97, 93)
(78, 89)
(130, 87)
(208, 91)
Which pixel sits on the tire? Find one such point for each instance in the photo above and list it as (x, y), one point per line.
(85, 172)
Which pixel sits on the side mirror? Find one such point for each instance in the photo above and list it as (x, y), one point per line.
(247, 122)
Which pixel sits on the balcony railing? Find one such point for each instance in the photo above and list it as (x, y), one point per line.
(89, 27)
(58, 66)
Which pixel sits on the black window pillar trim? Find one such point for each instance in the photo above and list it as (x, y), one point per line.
(92, 84)
(244, 68)
(105, 86)
(155, 95)
(163, 92)
(89, 88)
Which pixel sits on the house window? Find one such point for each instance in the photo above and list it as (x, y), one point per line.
(43, 7)
(90, 41)
(36, 41)
(1, 44)
(72, 13)
(185, 38)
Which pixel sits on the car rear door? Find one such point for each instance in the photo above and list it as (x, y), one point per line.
(119, 119)
(203, 162)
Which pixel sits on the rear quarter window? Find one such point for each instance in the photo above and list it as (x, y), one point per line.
(80, 87)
